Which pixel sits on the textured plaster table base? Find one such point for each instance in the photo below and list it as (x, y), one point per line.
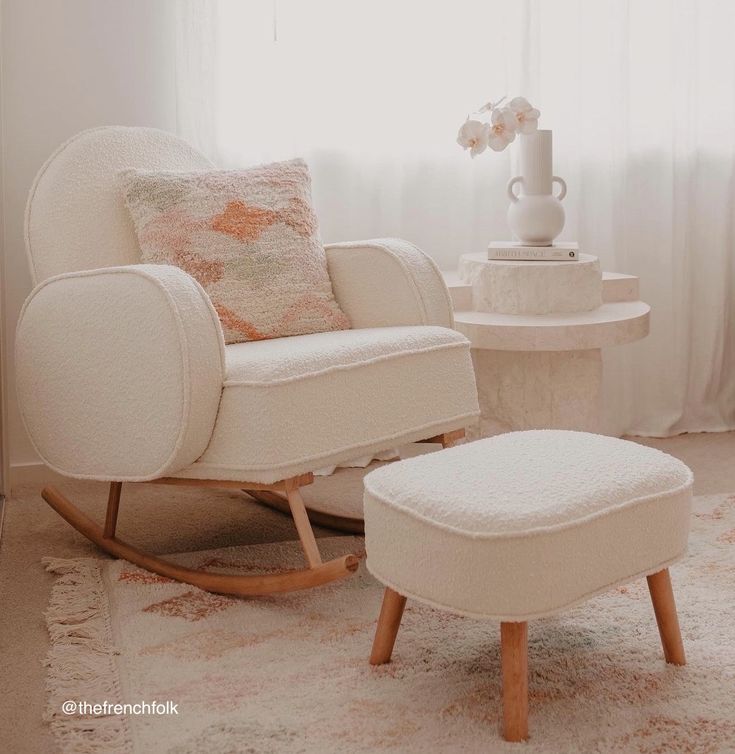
(537, 330)
(537, 390)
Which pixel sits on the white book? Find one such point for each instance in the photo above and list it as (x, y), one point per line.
(558, 252)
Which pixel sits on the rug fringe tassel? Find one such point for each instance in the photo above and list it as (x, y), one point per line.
(80, 661)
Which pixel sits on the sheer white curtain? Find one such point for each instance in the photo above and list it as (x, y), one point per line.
(641, 98)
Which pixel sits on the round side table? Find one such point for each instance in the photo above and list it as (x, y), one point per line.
(537, 330)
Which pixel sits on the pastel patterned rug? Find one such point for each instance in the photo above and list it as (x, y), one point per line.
(290, 674)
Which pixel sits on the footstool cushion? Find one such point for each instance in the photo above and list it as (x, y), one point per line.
(525, 524)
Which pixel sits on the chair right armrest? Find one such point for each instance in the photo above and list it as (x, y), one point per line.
(119, 371)
(388, 282)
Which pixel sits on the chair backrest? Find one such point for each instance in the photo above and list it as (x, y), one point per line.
(76, 218)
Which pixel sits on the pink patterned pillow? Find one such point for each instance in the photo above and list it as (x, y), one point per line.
(250, 237)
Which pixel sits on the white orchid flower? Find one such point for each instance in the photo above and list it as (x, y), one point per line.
(502, 129)
(473, 135)
(526, 115)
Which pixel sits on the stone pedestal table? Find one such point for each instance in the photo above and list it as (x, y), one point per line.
(537, 330)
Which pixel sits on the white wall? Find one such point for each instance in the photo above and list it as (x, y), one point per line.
(68, 65)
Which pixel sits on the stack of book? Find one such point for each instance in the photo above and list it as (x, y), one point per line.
(564, 251)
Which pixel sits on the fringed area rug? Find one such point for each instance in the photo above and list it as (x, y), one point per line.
(291, 674)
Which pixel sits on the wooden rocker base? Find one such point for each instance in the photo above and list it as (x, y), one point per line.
(283, 495)
(278, 502)
(316, 574)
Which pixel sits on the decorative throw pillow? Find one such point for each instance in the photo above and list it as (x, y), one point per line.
(250, 237)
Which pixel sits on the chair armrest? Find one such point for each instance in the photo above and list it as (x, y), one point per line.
(386, 282)
(119, 371)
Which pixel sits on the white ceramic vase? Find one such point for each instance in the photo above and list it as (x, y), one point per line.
(535, 215)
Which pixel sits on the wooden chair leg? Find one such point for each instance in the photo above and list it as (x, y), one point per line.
(277, 500)
(664, 606)
(389, 622)
(303, 525)
(452, 438)
(113, 505)
(514, 661)
(447, 439)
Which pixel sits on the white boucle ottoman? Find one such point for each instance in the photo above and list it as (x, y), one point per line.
(524, 525)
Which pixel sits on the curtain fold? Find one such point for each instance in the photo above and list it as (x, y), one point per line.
(197, 35)
(641, 99)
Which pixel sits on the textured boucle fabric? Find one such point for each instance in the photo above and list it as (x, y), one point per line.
(75, 218)
(250, 237)
(525, 524)
(520, 481)
(292, 405)
(119, 371)
(388, 281)
(277, 361)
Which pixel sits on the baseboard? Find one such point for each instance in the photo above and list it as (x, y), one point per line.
(22, 474)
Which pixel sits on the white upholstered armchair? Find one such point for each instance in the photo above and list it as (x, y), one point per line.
(123, 375)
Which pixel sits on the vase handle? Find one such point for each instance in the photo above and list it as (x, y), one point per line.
(512, 182)
(563, 185)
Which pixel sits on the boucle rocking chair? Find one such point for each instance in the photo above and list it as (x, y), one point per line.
(123, 375)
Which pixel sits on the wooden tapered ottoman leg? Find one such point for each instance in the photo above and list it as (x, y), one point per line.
(388, 624)
(662, 596)
(514, 661)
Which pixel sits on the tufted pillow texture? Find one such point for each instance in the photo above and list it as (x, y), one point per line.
(250, 237)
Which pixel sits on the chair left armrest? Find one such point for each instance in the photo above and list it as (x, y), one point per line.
(388, 282)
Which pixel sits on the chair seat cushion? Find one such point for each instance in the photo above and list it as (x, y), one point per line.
(292, 405)
(527, 523)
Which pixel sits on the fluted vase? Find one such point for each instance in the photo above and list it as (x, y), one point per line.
(535, 215)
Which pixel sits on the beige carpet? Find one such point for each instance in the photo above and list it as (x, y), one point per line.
(290, 674)
(168, 520)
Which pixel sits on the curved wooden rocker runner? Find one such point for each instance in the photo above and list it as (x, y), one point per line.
(316, 574)
(283, 495)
